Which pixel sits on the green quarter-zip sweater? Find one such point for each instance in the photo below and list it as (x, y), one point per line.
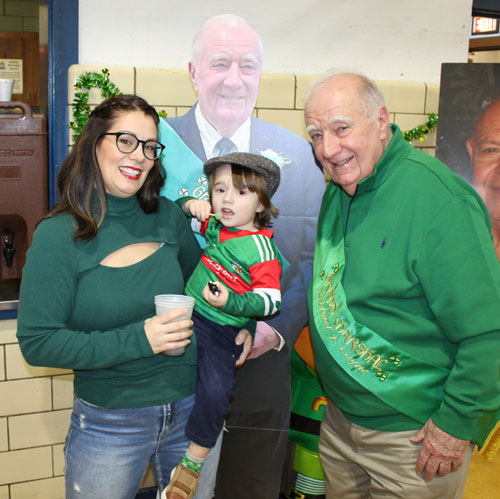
(75, 313)
(421, 272)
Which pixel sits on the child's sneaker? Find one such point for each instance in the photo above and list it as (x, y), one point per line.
(183, 484)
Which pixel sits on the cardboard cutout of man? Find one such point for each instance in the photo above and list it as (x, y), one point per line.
(225, 69)
(484, 152)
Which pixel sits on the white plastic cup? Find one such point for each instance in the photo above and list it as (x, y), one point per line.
(164, 303)
(6, 87)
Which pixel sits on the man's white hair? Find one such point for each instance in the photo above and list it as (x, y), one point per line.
(372, 98)
(222, 19)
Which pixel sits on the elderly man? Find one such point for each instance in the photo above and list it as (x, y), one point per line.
(403, 305)
(225, 69)
(484, 152)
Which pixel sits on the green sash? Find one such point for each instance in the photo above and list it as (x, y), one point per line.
(410, 385)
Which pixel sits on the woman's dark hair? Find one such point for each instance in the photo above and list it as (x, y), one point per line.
(79, 183)
(254, 182)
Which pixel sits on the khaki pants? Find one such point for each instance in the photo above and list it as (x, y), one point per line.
(363, 463)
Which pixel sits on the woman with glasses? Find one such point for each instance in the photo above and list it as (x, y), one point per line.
(87, 304)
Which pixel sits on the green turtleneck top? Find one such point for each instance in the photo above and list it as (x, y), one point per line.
(75, 313)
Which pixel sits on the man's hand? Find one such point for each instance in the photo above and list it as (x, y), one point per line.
(441, 452)
(243, 338)
(265, 340)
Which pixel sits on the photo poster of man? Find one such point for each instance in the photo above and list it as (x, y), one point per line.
(468, 132)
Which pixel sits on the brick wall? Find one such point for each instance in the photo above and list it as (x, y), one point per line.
(19, 15)
(35, 403)
(280, 99)
(35, 409)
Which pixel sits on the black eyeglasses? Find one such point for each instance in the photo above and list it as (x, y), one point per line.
(127, 143)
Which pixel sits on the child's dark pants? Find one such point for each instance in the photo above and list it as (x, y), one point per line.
(217, 355)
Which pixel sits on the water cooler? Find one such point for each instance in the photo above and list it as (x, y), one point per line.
(23, 191)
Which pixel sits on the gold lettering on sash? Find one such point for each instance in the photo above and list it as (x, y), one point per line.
(360, 348)
(339, 323)
(332, 308)
(330, 296)
(353, 362)
(346, 332)
(361, 357)
(348, 340)
(368, 352)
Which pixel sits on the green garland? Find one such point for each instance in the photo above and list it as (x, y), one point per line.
(81, 108)
(419, 132)
(88, 80)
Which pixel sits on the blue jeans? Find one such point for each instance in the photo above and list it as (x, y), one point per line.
(108, 450)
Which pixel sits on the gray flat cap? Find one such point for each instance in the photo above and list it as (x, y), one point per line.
(255, 162)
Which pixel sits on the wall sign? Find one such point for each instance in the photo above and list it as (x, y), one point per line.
(13, 68)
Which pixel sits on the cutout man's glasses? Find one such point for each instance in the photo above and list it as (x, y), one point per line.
(128, 143)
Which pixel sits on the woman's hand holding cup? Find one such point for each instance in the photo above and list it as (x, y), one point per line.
(165, 332)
